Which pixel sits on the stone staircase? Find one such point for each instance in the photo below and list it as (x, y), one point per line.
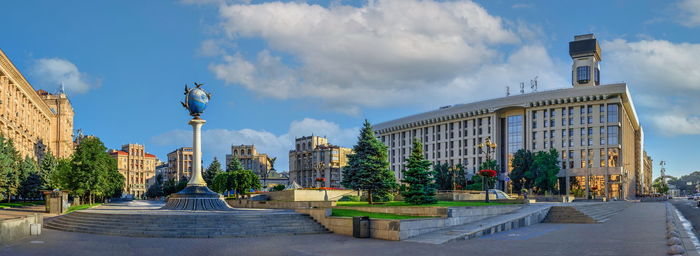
(187, 225)
(585, 213)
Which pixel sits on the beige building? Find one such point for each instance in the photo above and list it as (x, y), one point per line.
(250, 158)
(648, 173)
(594, 128)
(137, 166)
(315, 158)
(180, 163)
(34, 120)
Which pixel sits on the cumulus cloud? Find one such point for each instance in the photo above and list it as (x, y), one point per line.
(52, 72)
(664, 77)
(217, 142)
(689, 13)
(384, 53)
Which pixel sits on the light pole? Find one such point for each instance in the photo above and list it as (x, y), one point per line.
(489, 145)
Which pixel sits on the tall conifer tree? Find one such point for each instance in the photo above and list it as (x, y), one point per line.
(421, 186)
(368, 167)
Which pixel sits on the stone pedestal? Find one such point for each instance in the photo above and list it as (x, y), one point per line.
(196, 196)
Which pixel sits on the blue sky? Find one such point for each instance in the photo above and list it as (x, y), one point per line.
(283, 69)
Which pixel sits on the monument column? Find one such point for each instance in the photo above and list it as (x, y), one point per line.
(196, 179)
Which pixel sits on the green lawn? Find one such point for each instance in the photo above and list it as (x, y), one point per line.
(374, 215)
(81, 207)
(20, 204)
(402, 203)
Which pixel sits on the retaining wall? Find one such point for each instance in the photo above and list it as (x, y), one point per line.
(246, 203)
(17, 228)
(379, 228)
(308, 195)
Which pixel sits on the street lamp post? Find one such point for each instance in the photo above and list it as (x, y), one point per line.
(489, 145)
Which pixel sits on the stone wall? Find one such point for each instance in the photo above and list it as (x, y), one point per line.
(246, 203)
(12, 229)
(404, 210)
(308, 195)
(379, 228)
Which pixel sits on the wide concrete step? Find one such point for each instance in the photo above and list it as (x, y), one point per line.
(224, 225)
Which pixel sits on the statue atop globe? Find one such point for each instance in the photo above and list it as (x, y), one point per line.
(196, 100)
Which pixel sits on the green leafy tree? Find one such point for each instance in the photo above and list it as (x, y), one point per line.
(278, 187)
(223, 182)
(368, 167)
(211, 171)
(443, 177)
(245, 180)
(523, 173)
(9, 171)
(234, 165)
(478, 182)
(421, 187)
(30, 180)
(546, 167)
(156, 189)
(170, 186)
(660, 186)
(93, 172)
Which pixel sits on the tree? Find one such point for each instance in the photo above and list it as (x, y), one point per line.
(47, 170)
(9, 171)
(234, 165)
(546, 168)
(30, 181)
(421, 187)
(478, 182)
(223, 182)
(368, 167)
(443, 177)
(278, 187)
(156, 189)
(522, 175)
(660, 186)
(211, 171)
(245, 180)
(93, 172)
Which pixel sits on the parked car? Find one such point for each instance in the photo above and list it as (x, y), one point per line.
(691, 197)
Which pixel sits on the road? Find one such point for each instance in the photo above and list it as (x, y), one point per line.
(690, 211)
(637, 230)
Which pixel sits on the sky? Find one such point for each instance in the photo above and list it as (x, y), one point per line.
(280, 70)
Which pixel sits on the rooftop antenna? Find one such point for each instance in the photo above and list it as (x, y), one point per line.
(62, 90)
(533, 84)
(522, 87)
(507, 91)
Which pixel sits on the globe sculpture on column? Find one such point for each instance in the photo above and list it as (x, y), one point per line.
(196, 196)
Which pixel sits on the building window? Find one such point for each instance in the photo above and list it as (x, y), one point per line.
(551, 123)
(613, 154)
(583, 74)
(597, 76)
(590, 119)
(613, 135)
(613, 113)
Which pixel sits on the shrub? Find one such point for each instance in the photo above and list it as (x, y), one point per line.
(278, 187)
(349, 198)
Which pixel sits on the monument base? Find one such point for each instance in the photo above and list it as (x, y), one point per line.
(196, 198)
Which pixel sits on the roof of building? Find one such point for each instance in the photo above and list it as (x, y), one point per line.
(150, 155)
(543, 98)
(119, 152)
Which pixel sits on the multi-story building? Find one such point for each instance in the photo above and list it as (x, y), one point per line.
(136, 166)
(594, 128)
(648, 172)
(36, 121)
(315, 158)
(180, 163)
(250, 158)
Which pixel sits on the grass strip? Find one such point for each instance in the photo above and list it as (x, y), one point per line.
(81, 207)
(375, 215)
(404, 204)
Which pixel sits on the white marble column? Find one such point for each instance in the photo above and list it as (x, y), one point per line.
(196, 179)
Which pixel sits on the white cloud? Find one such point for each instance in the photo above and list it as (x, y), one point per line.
(51, 72)
(664, 78)
(689, 13)
(217, 142)
(385, 53)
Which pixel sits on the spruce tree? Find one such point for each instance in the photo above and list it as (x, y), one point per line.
(47, 170)
(368, 167)
(9, 171)
(234, 165)
(211, 171)
(421, 187)
(30, 181)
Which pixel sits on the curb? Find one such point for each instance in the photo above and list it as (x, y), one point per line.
(681, 239)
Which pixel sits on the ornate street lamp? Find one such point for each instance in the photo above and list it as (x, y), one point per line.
(489, 145)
